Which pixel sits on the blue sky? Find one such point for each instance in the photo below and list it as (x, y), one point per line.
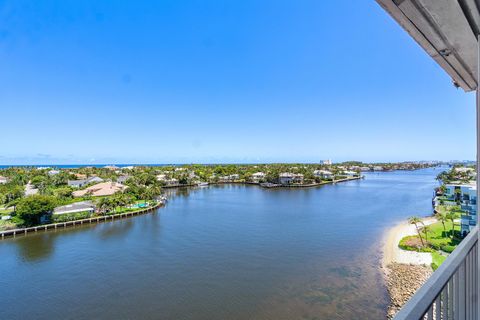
(221, 81)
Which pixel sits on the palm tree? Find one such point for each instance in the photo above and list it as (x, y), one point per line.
(104, 204)
(451, 216)
(416, 221)
(442, 217)
(426, 230)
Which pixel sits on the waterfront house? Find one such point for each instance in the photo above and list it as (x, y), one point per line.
(171, 182)
(364, 169)
(84, 182)
(290, 178)
(323, 174)
(82, 206)
(3, 180)
(378, 168)
(349, 174)
(229, 178)
(258, 176)
(101, 189)
(161, 177)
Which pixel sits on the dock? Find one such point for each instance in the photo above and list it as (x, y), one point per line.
(64, 225)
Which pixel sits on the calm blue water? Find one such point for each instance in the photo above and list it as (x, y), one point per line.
(231, 252)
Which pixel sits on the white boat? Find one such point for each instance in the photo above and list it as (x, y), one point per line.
(202, 184)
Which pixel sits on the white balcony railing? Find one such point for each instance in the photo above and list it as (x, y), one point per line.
(451, 292)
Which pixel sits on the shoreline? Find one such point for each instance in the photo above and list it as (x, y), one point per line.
(13, 233)
(403, 271)
(393, 254)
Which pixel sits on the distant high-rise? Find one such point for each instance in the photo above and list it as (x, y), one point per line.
(327, 162)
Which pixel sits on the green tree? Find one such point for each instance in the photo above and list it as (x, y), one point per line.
(31, 209)
(442, 217)
(426, 230)
(451, 216)
(63, 192)
(417, 221)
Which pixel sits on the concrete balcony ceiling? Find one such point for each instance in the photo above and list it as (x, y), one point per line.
(447, 30)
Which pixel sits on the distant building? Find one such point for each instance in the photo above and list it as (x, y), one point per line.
(378, 168)
(258, 176)
(326, 162)
(82, 206)
(123, 179)
(466, 196)
(161, 177)
(112, 167)
(53, 172)
(3, 180)
(172, 182)
(101, 189)
(323, 174)
(349, 173)
(229, 178)
(84, 182)
(289, 178)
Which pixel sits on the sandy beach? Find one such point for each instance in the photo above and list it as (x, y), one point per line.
(393, 254)
(405, 271)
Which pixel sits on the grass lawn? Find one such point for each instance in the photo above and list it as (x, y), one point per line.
(437, 260)
(446, 209)
(439, 240)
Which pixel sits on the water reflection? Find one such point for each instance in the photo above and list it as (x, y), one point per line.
(31, 251)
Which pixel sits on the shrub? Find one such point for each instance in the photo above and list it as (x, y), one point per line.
(7, 225)
(448, 248)
(412, 243)
(71, 216)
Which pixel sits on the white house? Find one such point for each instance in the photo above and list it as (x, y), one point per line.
(289, 178)
(82, 206)
(3, 180)
(84, 182)
(258, 176)
(123, 179)
(324, 174)
(229, 178)
(349, 173)
(171, 182)
(53, 172)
